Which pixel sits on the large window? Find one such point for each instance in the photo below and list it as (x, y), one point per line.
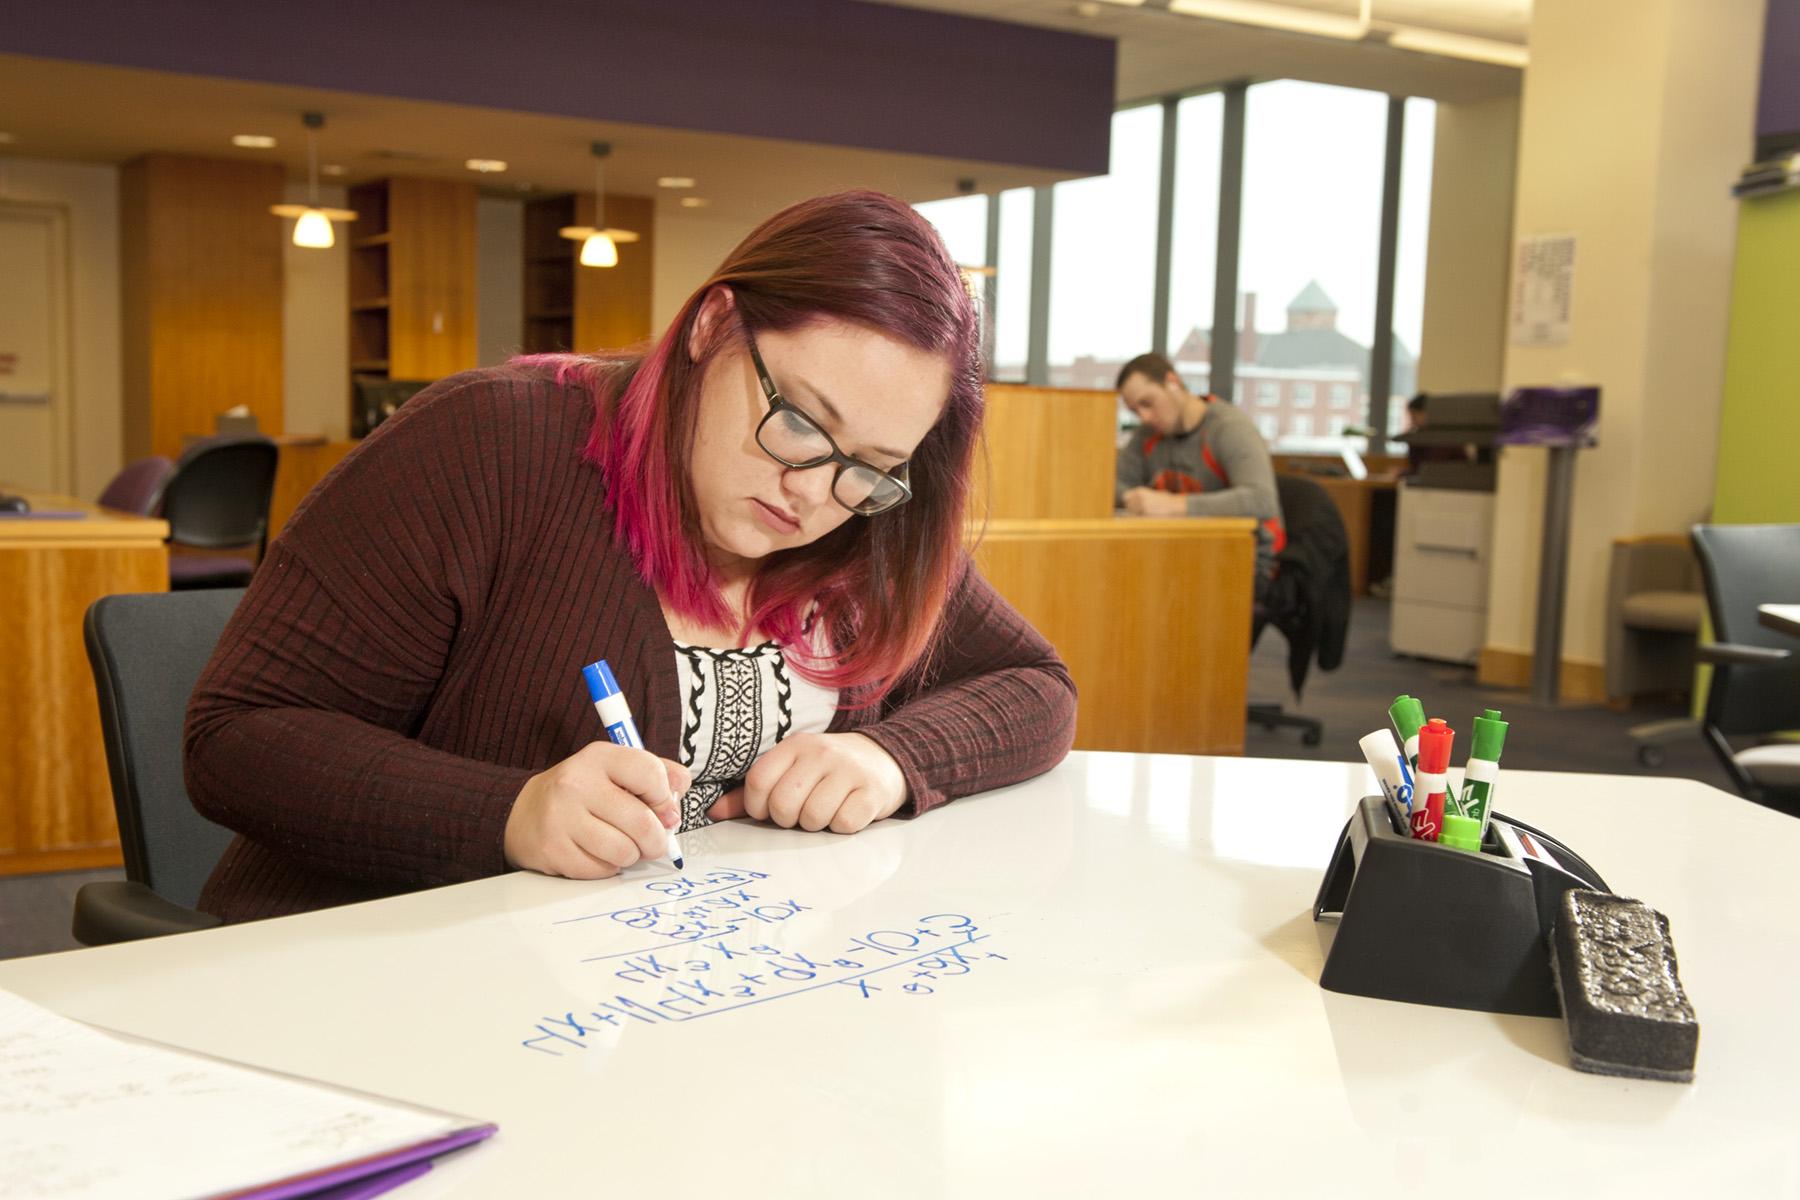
(1012, 285)
(1311, 232)
(1409, 256)
(1199, 122)
(1308, 247)
(1103, 258)
(962, 222)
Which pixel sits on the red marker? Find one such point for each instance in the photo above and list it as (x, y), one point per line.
(1431, 781)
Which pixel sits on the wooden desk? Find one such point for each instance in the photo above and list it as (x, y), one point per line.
(1152, 617)
(1367, 507)
(1150, 1021)
(56, 810)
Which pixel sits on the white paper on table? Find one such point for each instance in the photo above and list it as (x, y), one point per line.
(93, 1114)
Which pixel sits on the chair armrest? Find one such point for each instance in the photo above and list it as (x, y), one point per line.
(122, 911)
(1750, 656)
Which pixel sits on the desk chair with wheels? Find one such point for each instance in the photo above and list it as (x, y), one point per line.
(147, 653)
(1309, 598)
(218, 498)
(1756, 674)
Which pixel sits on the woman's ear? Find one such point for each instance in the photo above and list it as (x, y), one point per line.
(714, 310)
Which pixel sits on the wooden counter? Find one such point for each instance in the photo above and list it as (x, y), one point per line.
(1152, 617)
(56, 810)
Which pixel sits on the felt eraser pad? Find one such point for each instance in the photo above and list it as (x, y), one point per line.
(1622, 999)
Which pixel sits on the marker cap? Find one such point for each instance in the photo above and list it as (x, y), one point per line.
(1461, 833)
(600, 681)
(1408, 715)
(1489, 736)
(1434, 746)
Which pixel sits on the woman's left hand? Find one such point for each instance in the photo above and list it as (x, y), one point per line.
(837, 781)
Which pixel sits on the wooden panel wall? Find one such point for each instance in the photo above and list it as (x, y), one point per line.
(431, 278)
(1048, 453)
(1151, 616)
(201, 297)
(612, 306)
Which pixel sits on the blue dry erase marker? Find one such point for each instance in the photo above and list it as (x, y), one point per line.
(615, 714)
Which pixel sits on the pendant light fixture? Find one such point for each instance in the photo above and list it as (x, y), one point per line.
(312, 223)
(599, 245)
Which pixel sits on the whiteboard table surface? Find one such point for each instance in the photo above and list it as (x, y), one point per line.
(1150, 1017)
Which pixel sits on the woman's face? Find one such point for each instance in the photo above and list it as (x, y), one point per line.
(876, 397)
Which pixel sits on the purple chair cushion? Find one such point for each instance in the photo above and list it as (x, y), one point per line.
(198, 571)
(135, 489)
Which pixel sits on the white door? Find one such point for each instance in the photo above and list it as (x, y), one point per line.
(35, 435)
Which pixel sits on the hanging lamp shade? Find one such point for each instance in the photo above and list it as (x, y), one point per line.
(313, 230)
(599, 246)
(312, 220)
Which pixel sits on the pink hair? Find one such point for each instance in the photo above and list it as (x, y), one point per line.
(880, 582)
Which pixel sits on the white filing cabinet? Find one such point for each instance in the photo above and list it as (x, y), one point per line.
(1443, 545)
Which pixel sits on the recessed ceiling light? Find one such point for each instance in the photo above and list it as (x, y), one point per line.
(332, 169)
(693, 202)
(487, 166)
(253, 141)
(675, 181)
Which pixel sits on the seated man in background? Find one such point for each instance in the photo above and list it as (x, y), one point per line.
(1195, 456)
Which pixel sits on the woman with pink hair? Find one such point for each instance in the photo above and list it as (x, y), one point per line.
(759, 523)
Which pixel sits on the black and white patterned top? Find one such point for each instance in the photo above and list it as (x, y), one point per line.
(735, 705)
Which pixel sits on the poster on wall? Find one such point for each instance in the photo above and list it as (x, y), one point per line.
(1543, 290)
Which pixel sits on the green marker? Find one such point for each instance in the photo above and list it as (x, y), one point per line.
(1461, 833)
(1408, 715)
(1483, 771)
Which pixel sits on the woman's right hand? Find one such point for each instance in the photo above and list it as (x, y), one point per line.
(596, 812)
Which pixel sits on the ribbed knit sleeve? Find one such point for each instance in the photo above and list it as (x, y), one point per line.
(996, 706)
(302, 732)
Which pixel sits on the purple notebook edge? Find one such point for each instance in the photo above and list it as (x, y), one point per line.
(315, 1185)
(373, 1185)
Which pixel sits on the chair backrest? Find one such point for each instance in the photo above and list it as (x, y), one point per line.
(138, 487)
(219, 494)
(1744, 566)
(147, 653)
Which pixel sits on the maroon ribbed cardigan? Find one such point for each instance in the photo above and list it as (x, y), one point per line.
(409, 654)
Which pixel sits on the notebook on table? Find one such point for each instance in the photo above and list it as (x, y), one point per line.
(85, 1112)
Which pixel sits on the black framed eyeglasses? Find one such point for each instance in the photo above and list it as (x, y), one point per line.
(793, 439)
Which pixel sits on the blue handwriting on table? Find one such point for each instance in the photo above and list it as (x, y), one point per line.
(706, 958)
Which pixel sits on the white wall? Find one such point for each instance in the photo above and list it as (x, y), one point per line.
(1637, 115)
(315, 330)
(89, 192)
(1472, 182)
(499, 279)
(689, 248)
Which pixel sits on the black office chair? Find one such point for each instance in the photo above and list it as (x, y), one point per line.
(147, 653)
(218, 498)
(1309, 598)
(1756, 675)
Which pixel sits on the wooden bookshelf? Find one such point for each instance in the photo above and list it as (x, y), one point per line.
(412, 281)
(585, 309)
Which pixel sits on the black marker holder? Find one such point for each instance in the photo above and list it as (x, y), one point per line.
(1428, 924)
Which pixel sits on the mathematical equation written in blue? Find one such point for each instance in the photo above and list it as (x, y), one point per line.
(707, 951)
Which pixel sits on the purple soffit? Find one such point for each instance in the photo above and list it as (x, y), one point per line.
(1778, 102)
(839, 72)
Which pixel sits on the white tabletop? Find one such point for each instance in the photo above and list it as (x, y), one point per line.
(1140, 1014)
(1782, 617)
